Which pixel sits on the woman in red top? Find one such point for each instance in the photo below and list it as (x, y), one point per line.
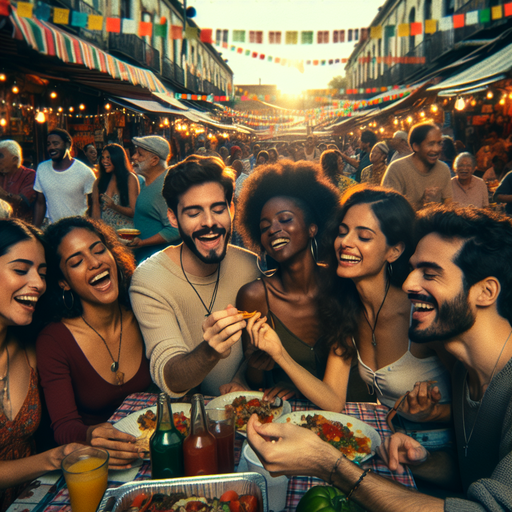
(92, 357)
(22, 274)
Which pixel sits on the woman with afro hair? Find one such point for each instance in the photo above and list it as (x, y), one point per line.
(282, 210)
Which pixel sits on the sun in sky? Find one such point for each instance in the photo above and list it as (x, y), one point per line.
(285, 15)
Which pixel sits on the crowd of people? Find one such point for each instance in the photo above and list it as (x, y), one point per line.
(367, 285)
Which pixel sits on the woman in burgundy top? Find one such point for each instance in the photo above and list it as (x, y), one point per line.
(92, 357)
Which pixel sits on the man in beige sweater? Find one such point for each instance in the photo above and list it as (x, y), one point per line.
(421, 177)
(183, 295)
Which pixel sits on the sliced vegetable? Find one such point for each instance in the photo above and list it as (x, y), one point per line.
(229, 495)
(249, 503)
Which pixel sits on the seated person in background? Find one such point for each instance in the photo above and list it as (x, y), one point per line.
(365, 314)
(468, 190)
(116, 189)
(496, 172)
(16, 181)
(503, 193)
(283, 210)
(92, 357)
(22, 273)
(461, 285)
(400, 145)
(173, 291)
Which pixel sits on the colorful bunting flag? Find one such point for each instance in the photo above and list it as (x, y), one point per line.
(497, 12)
(376, 32)
(25, 9)
(472, 18)
(191, 33)
(484, 15)
(403, 30)
(416, 28)
(430, 26)
(508, 9)
(129, 26)
(43, 12)
(389, 31)
(446, 23)
(113, 25)
(292, 37)
(206, 36)
(160, 29)
(459, 20)
(95, 22)
(176, 32)
(145, 28)
(60, 16)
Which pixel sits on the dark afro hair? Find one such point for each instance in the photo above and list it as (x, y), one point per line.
(302, 181)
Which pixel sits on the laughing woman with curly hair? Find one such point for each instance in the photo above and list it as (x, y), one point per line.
(282, 210)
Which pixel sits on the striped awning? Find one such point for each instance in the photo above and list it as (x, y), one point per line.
(49, 40)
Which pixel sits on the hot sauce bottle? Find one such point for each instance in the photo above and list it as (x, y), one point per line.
(166, 443)
(200, 447)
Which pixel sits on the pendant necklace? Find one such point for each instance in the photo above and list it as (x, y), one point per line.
(467, 439)
(5, 404)
(374, 341)
(114, 367)
(215, 290)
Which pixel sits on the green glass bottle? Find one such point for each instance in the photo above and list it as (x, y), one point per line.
(166, 443)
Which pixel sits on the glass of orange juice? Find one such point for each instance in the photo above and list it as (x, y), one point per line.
(86, 474)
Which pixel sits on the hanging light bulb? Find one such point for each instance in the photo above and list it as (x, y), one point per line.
(409, 119)
(3, 78)
(3, 121)
(15, 89)
(108, 106)
(395, 121)
(422, 114)
(460, 104)
(40, 117)
(490, 95)
(502, 101)
(82, 106)
(60, 109)
(473, 102)
(71, 109)
(434, 108)
(53, 95)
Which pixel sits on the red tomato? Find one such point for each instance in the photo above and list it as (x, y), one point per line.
(253, 403)
(138, 500)
(234, 506)
(249, 503)
(229, 495)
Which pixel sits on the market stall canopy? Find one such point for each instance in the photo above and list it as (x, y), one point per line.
(49, 40)
(485, 72)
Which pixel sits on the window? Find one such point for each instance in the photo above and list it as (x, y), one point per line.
(274, 37)
(126, 11)
(256, 36)
(350, 35)
(449, 7)
(338, 36)
(412, 19)
(356, 34)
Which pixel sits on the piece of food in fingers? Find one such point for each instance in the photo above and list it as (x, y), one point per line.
(244, 409)
(246, 315)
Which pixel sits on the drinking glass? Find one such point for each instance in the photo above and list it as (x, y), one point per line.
(221, 423)
(86, 474)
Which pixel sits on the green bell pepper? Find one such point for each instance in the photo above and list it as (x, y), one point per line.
(322, 498)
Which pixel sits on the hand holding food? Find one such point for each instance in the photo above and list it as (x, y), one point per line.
(282, 392)
(264, 337)
(422, 402)
(222, 329)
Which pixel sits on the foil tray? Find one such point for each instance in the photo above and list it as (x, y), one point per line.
(212, 486)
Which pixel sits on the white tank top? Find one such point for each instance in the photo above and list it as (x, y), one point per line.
(391, 382)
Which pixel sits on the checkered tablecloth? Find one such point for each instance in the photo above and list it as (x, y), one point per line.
(374, 415)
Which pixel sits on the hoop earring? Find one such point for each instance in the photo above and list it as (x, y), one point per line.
(390, 270)
(69, 308)
(259, 260)
(314, 249)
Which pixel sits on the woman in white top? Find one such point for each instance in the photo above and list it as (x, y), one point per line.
(370, 314)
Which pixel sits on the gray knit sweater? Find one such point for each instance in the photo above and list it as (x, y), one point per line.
(486, 472)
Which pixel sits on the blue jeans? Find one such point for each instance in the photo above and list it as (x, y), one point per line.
(432, 436)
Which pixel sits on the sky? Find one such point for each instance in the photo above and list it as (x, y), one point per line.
(285, 15)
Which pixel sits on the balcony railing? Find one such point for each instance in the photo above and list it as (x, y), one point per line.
(137, 49)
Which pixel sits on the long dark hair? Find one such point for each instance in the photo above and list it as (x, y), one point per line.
(122, 168)
(56, 307)
(340, 306)
(12, 232)
(329, 164)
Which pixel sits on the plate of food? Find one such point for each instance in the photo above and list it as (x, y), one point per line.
(246, 403)
(354, 438)
(142, 424)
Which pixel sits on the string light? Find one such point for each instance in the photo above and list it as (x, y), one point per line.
(15, 89)
(71, 109)
(3, 122)
(40, 117)
(434, 108)
(422, 114)
(82, 106)
(502, 101)
(53, 95)
(490, 95)
(395, 121)
(460, 104)
(108, 106)
(409, 119)
(3, 78)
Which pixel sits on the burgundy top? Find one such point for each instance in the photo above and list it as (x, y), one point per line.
(76, 395)
(21, 183)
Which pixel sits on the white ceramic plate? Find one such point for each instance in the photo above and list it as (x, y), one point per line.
(360, 428)
(129, 423)
(223, 400)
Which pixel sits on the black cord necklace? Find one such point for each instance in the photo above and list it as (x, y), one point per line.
(215, 290)
(374, 341)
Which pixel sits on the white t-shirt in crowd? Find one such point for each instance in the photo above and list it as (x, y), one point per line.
(65, 191)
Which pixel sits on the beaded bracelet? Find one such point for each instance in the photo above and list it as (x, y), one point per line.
(358, 483)
(335, 467)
